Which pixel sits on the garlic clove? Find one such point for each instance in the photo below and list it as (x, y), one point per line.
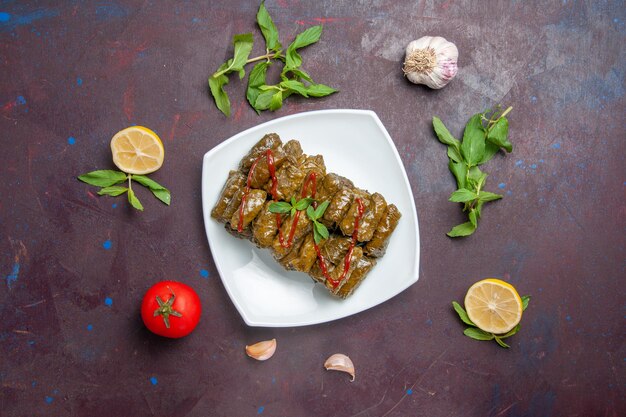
(262, 351)
(431, 60)
(340, 362)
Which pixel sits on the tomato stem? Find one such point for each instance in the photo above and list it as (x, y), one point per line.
(165, 308)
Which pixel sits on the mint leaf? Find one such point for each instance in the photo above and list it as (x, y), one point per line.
(455, 154)
(280, 207)
(310, 212)
(295, 86)
(462, 195)
(459, 170)
(268, 28)
(476, 333)
(276, 102)
(163, 195)
(510, 333)
(473, 145)
(112, 191)
(321, 229)
(501, 343)
(133, 200)
(301, 74)
(490, 151)
(498, 133)
(319, 211)
(303, 204)
(319, 90)
(103, 178)
(264, 99)
(255, 80)
(308, 37)
(157, 189)
(243, 45)
(316, 236)
(216, 84)
(464, 229)
(462, 314)
(444, 135)
(485, 196)
(525, 301)
(473, 217)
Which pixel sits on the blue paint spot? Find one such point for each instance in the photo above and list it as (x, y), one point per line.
(541, 161)
(11, 22)
(79, 81)
(33, 384)
(616, 20)
(20, 100)
(260, 410)
(519, 163)
(501, 185)
(90, 327)
(107, 244)
(31, 343)
(154, 380)
(274, 378)
(49, 399)
(56, 391)
(568, 318)
(114, 205)
(533, 99)
(195, 20)
(71, 140)
(409, 391)
(509, 192)
(109, 11)
(14, 275)
(429, 322)
(204, 273)
(534, 166)
(108, 301)
(4, 17)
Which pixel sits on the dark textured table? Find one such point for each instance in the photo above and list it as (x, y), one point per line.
(74, 266)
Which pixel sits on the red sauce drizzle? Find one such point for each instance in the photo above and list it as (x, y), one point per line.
(312, 180)
(272, 169)
(334, 283)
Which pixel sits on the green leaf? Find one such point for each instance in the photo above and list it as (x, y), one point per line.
(464, 229)
(510, 333)
(103, 178)
(112, 191)
(455, 154)
(303, 204)
(473, 217)
(462, 314)
(486, 196)
(133, 200)
(476, 333)
(301, 74)
(316, 236)
(473, 146)
(308, 37)
(444, 135)
(321, 229)
(462, 195)
(163, 195)
(263, 100)
(319, 211)
(255, 80)
(268, 28)
(277, 101)
(479, 207)
(293, 211)
(295, 86)
(243, 45)
(320, 90)
(293, 200)
(501, 343)
(477, 176)
(216, 84)
(280, 207)
(525, 301)
(490, 151)
(310, 212)
(157, 189)
(459, 170)
(498, 133)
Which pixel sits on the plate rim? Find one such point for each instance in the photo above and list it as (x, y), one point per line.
(207, 217)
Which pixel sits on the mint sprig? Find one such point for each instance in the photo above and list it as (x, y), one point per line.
(283, 207)
(320, 231)
(108, 178)
(478, 334)
(259, 94)
(485, 134)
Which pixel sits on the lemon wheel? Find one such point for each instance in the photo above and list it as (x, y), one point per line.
(494, 305)
(137, 150)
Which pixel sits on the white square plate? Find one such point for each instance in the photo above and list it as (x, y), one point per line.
(356, 145)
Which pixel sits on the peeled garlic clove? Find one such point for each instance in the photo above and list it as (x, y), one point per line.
(262, 351)
(431, 60)
(340, 362)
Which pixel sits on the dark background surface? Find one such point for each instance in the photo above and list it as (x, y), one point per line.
(74, 266)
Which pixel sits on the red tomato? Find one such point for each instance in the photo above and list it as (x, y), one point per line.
(171, 309)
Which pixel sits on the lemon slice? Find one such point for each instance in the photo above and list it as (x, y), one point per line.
(493, 305)
(137, 150)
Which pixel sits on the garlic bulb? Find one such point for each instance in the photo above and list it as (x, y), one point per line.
(431, 60)
(340, 362)
(262, 351)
